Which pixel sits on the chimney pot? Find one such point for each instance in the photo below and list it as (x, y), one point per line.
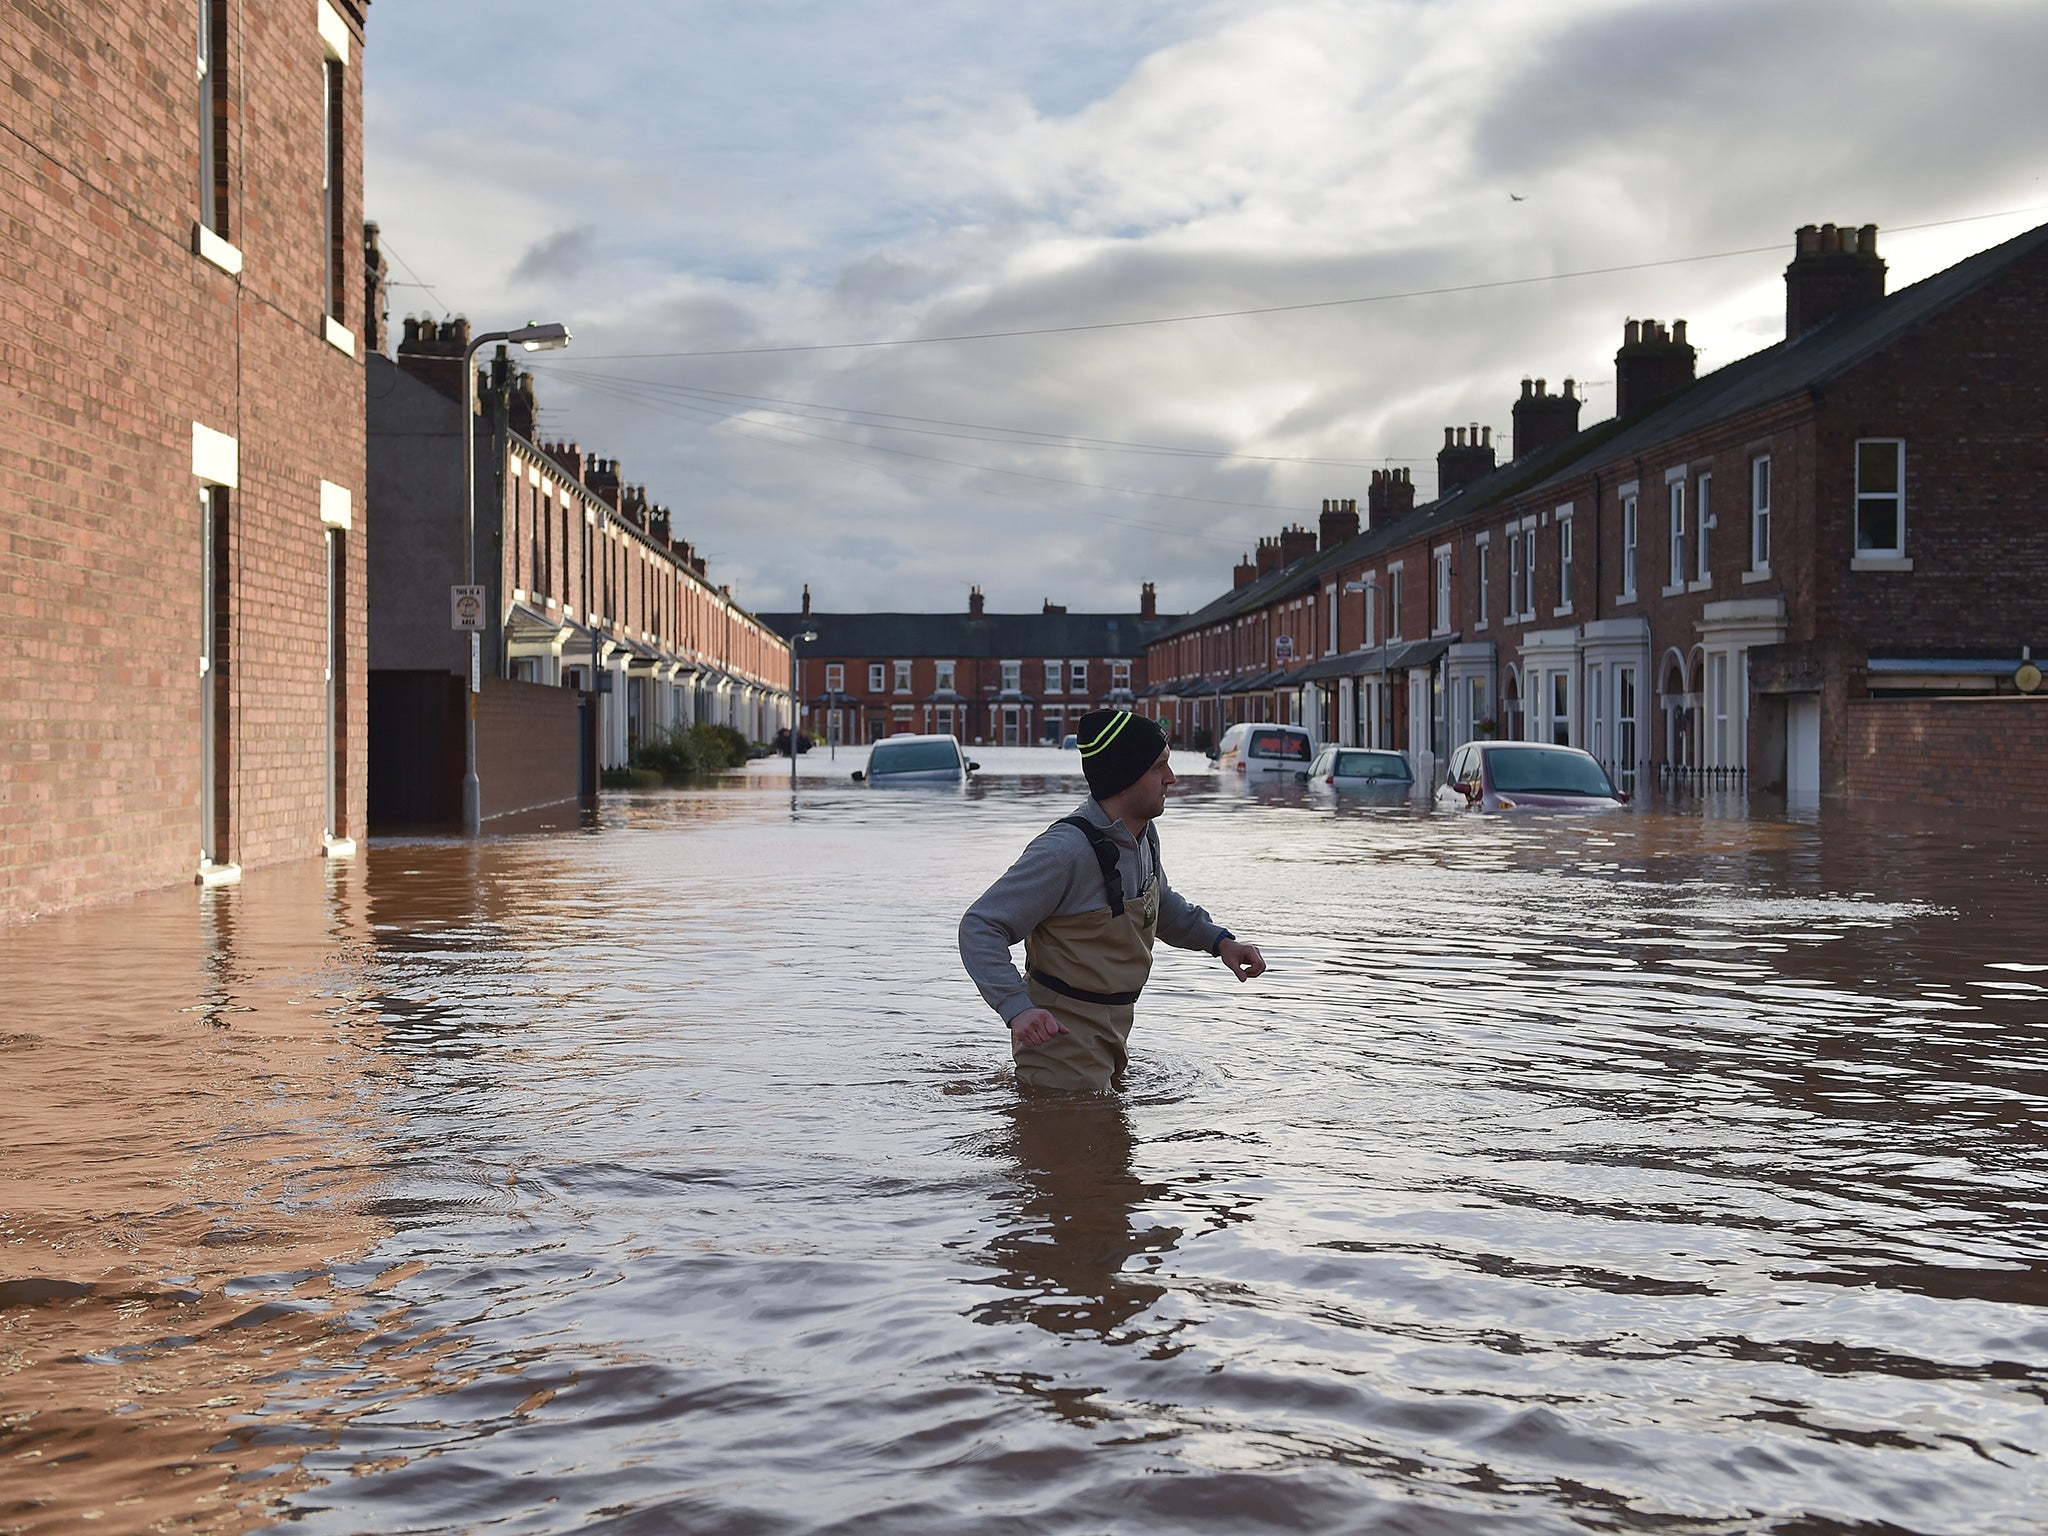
(1527, 386)
(1541, 391)
(1568, 390)
(1449, 442)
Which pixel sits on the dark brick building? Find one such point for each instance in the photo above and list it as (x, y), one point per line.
(1002, 678)
(1704, 585)
(182, 479)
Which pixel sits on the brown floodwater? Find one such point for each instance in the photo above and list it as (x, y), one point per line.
(1679, 1170)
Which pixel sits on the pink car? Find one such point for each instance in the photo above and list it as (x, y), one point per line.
(1527, 775)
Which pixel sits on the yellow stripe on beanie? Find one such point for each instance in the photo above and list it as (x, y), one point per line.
(1109, 734)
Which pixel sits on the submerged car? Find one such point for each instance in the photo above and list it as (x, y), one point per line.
(1260, 749)
(1361, 771)
(916, 760)
(1527, 775)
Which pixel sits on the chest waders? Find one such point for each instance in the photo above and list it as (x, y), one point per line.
(1087, 971)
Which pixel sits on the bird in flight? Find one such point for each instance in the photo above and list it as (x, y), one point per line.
(1517, 197)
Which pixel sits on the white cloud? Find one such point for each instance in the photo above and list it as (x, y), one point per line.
(796, 173)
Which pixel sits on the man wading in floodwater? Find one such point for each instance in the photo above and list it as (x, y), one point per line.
(1086, 898)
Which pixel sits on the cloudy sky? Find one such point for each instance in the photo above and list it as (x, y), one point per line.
(730, 204)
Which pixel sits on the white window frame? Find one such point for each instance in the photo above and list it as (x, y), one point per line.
(1528, 569)
(876, 672)
(1563, 518)
(1330, 613)
(1440, 569)
(1873, 558)
(1703, 525)
(835, 677)
(1674, 507)
(948, 672)
(1759, 515)
(903, 677)
(1631, 537)
(1013, 676)
(1481, 550)
(1077, 677)
(1514, 574)
(1394, 600)
(1119, 674)
(1055, 676)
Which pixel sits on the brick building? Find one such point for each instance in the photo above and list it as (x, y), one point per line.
(1706, 584)
(590, 586)
(182, 479)
(1008, 679)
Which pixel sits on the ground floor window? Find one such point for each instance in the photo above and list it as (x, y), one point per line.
(1625, 725)
(1561, 709)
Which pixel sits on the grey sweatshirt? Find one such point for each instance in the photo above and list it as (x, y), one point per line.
(1057, 876)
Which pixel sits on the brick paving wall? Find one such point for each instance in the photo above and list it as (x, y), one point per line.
(121, 339)
(526, 746)
(1983, 754)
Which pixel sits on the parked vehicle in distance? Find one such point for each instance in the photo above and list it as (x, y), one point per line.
(1070, 742)
(1259, 749)
(1526, 775)
(916, 760)
(1368, 773)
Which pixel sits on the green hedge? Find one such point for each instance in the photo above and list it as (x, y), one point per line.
(689, 750)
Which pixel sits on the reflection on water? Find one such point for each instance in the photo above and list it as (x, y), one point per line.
(1675, 1170)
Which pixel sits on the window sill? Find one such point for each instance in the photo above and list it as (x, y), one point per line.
(211, 876)
(210, 247)
(1480, 625)
(339, 336)
(1561, 612)
(1704, 584)
(1880, 563)
(1625, 599)
(1761, 573)
(1676, 589)
(338, 847)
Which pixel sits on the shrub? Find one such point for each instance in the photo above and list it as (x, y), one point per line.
(688, 750)
(632, 778)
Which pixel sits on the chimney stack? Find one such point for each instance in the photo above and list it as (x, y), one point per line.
(1542, 419)
(376, 294)
(1246, 573)
(1053, 607)
(1340, 521)
(604, 481)
(432, 352)
(1461, 460)
(1653, 363)
(1391, 495)
(1148, 601)
(521, 409)
(1268, 556)
(1833, 271)
(1296, 543)
(807, 599)
(974, 602)
(569, 456)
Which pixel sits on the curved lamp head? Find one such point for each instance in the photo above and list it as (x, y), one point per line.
(551, 337)
(808, 636)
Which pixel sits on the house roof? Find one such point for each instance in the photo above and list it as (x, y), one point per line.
(992, 636)
(1784, 369)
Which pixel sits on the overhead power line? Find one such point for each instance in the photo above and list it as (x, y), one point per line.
(1775, 247)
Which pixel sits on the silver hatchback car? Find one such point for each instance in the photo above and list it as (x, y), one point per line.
(1364, 773)
(916, 760)
(1527, 775)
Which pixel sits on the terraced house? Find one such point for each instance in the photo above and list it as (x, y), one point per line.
(1822, 568)
(602, 626)
(1007, 679)
(181, 481)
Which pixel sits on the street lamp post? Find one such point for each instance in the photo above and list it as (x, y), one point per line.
(534, 338)
(796, 700)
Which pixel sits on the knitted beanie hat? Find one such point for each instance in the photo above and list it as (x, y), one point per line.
(1117, 747)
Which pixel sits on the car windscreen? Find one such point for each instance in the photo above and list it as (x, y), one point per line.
(1373, 765)
(913, 757)
(1278, 744)
(1546, 771)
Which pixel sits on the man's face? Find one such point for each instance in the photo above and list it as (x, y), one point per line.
(1148, 795)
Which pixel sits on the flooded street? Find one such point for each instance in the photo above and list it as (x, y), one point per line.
(1678, 1170)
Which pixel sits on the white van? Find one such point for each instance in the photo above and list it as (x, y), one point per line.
(1259, 748)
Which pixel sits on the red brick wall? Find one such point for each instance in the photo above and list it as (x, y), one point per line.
(526, 746)
(1980, 753)
(122, 339)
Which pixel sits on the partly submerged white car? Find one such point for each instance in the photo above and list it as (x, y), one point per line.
(916, 760)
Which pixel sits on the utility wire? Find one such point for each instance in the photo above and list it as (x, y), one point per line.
(1020, 437)
(1271, 309)
(625, 392)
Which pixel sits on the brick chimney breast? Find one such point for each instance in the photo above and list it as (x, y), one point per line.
(1148, 601)
(1296, 543)
(1268, 556)
(1833, 271)
(974, 602)
(1652, 364)
(1542, 418)
(1462, 459)
(1245, 574)
(1339, 522)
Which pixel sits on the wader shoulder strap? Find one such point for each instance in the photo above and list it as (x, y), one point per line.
(1106, 856)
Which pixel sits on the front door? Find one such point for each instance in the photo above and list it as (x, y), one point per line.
(1009, 725)
(1802, 747)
